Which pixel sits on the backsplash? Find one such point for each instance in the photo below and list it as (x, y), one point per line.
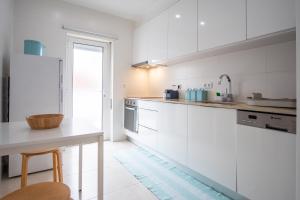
(270, 70)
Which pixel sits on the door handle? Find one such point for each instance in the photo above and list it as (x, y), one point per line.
(128, 108)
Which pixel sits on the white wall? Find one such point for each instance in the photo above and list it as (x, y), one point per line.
(137, 84)
(269, 70)
(6, 21)
(42, 20)
(298, 97)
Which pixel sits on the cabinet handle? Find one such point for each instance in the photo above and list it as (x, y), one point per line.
(275, 128)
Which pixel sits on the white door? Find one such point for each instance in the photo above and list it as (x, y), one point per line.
(88, 82)
(211, 143)
(35, 88)
(182, 28)
(172, 127)
(157, 51)
(269, 16)
(266, 164)
(140, 43)
(220, 22)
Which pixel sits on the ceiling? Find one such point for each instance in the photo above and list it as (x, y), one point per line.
(136, 10)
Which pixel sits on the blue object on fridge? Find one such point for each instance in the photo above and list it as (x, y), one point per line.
(33, 47)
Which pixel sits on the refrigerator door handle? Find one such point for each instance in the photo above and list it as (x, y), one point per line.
(61, 90)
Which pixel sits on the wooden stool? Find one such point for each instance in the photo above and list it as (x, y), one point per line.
(57, 165)
(41, 191)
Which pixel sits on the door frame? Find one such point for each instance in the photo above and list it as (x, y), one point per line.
(106, 79)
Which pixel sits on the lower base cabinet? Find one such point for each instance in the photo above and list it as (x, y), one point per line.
(172, 126)
(148, 137)
(257, 163)
(212, 143)
(266, 164)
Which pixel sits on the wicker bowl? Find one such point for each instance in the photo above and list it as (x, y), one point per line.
(46, 121)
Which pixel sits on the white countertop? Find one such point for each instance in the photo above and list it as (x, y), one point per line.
(18, 137)
(15, 134)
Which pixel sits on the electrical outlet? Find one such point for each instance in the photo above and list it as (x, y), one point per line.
(208, 86)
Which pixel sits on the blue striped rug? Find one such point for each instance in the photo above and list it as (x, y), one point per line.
(164, 179)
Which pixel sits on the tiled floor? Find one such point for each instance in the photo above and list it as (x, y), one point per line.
(118, 183)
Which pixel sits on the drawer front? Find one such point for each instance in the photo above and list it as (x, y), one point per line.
(148, 118)
(149, 105)
(148, 137)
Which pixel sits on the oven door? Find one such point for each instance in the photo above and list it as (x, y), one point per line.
(131, 118)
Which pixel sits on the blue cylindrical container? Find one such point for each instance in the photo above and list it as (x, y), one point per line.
(202, 95)
(188, 94)
(199, 95)
(33, 47)
(205, 95)
(193, 95)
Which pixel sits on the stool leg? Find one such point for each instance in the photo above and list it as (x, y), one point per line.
(59, 167)
(54, 160)
(24, 171)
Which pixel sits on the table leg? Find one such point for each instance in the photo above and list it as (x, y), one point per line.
(80, 168)
(0, 169)
(100, 168)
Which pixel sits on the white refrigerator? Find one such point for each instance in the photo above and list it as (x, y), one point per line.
(35, 88)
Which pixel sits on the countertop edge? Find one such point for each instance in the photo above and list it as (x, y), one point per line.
(237, 106)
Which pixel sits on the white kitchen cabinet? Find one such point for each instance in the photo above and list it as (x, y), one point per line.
(266, 164)
(148, 137)
(172, 136)
(148, 105)
(212, 143)
(182, 31)
(158, 32)
(221, 22)
(140, 44)
(148, 118)
(269, 16)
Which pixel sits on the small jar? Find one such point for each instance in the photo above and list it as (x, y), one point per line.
(188, 94)
(193, 95)
(199, 95)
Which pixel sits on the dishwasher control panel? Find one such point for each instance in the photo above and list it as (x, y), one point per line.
(279, 122)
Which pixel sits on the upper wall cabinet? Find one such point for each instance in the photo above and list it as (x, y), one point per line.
(220, 22)
(190, 26)
(140, 44)
(182, 33)
(158, 30)
(269, 16)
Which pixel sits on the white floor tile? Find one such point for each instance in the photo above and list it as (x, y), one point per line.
(118, 182)
(135, 192)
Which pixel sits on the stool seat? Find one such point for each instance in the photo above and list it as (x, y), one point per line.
(39, 152)
(41, 191)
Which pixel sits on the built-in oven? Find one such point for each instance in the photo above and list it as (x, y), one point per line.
(131, 115)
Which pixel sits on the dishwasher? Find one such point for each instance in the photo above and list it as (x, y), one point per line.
(266, 155)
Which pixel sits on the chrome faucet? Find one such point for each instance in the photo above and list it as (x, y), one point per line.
(227, 97)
